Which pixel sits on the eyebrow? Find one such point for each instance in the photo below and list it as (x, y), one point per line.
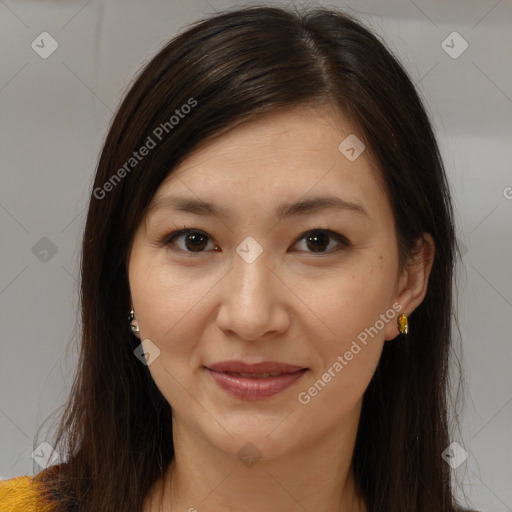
(312, 205)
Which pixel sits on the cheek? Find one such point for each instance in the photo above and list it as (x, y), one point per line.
(354, 308)
(164, 295)
(350, 308)
(351, 298)
(170, 308)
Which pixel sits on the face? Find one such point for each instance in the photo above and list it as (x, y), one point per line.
(260, 280)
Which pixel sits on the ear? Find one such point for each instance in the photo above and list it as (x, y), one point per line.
(413, 282)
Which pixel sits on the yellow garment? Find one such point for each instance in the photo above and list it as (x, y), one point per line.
(21, 494)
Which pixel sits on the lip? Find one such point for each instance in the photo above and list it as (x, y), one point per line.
(254, 388)
(243, 367)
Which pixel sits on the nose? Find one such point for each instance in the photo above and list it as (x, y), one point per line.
(253, 301)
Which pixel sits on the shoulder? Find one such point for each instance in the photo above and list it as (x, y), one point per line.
(21, 494)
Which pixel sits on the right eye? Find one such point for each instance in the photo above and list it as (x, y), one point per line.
(188, 240)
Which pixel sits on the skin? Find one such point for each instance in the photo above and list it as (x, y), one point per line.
(291, 305)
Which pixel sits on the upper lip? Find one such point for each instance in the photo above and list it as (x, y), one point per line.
(265, 367)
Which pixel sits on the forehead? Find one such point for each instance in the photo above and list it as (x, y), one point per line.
(280, 157)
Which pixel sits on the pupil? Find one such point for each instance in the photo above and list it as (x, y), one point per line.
(197, 240)
(320, 241)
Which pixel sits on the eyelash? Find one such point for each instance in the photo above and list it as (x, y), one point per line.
(168, 240)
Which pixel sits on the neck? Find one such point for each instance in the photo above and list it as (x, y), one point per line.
(316, 476)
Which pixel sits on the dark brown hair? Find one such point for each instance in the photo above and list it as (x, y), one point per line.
(115, 434)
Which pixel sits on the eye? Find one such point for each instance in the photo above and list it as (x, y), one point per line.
(191, 240)
(318, 241)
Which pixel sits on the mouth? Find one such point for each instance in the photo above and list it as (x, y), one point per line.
(255, 385)
(254, 369)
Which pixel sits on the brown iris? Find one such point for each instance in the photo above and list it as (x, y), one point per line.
(317, 241)
(196, 240)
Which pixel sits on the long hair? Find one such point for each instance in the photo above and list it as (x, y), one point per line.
(115, 433)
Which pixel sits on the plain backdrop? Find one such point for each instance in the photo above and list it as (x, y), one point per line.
(54, 114)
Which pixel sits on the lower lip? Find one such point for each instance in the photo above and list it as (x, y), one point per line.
(255, 388)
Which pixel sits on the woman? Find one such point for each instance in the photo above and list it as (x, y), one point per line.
(267, 274)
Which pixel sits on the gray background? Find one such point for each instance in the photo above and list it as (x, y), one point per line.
(54, 114)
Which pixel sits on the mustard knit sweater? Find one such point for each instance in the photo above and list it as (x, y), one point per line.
(21, 494)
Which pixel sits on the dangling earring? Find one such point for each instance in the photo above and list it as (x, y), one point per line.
(402, 324)
(131, 317)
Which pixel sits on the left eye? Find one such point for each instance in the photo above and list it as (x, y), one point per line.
(318, 240)
(196, 241)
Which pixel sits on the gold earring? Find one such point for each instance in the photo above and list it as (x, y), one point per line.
(131, 317)
(402, 323)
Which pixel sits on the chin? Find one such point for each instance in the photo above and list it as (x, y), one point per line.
(255, 444)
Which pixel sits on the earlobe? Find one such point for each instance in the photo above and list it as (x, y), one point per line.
(134, 324)
(399, 326)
